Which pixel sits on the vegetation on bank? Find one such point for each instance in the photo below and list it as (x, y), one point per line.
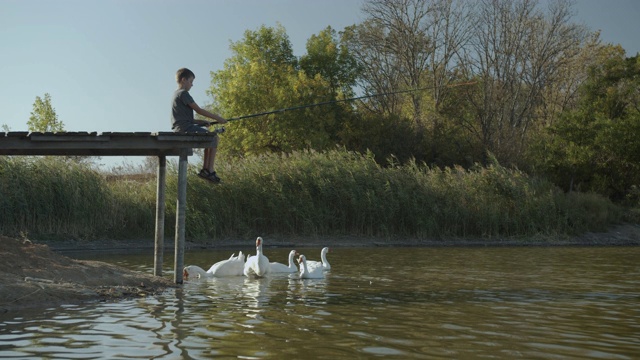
(305, 193)
(445, 83)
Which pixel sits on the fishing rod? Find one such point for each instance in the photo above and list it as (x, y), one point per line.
(339, 101)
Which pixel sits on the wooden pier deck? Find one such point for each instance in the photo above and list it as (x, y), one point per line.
(160, 144)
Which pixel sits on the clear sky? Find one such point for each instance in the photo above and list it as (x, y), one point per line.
(109, 65)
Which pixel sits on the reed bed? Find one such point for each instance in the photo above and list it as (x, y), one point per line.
(58, 198)
(334, 193)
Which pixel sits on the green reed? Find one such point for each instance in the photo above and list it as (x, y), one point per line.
(334, 193)
(344, 193)
(58, 198)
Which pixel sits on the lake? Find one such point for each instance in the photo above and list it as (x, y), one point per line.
(403, 303)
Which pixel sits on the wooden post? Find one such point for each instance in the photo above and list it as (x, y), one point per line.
(181, 209)
(160, 196)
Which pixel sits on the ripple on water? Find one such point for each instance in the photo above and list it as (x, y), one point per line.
(427, 303)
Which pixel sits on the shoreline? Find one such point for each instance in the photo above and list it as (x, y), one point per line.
(619, 235)
(35, 274)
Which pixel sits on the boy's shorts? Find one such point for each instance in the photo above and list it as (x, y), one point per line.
(193, 128)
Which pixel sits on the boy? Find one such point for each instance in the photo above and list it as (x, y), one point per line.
(182, 120)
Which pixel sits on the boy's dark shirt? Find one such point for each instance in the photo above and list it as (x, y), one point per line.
(181, 113)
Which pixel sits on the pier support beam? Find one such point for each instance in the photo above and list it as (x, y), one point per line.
(181, 210)
(160, 196)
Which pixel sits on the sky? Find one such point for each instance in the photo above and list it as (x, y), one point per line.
(109, 65)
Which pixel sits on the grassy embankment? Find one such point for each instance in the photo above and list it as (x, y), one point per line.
(305, 194)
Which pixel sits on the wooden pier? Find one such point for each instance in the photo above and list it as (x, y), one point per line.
(161, 144)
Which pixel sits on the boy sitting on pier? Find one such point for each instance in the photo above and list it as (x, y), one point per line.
(183, 121)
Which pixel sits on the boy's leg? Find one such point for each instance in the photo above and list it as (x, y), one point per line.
(208, 167)
(207, 156)
(208, 172)
(212, 159)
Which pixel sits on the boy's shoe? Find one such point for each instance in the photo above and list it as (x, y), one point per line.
(213, 177)
(210, 176)
(204, 173)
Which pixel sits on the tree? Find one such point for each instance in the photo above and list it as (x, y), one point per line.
(263, 75)
(518, 51)
(413, 44)
(562, 93)
(43, 117)
(596, 146)
(409, 44)
(330, 58)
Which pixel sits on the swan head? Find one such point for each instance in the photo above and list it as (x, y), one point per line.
(301, 259)
(325, 250)
(185, 272)
(259, 241)
(192, 270)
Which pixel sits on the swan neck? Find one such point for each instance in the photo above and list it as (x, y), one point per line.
(324, 258)
(198, 270)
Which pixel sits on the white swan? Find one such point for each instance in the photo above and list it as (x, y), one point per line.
(194, 271)
(277, 267)
(233, 266)
(306, 272)
(324, 264)
(257, 265)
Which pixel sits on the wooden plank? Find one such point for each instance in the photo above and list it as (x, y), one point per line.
(127, 134)
(163, 133)
(104, 144)
(15, 134)
(94, 152)
(63, 133)
(67, 137)
(186, 137)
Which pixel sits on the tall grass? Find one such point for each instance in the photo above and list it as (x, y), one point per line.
(50, 197)
(332, 193)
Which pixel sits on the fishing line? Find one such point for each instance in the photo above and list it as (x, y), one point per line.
(339, 101)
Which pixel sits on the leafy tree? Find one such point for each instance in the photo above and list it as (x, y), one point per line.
(43, 117)
(596, 147)
(562, 93)
(263, 75)
(330, 58)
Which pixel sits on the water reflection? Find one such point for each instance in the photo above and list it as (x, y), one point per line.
(392, 303)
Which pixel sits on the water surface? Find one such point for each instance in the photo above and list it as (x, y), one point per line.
(421, 303)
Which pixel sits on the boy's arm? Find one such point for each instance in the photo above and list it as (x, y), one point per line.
(206, 113)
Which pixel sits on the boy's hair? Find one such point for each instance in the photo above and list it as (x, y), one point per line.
(184, 73)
